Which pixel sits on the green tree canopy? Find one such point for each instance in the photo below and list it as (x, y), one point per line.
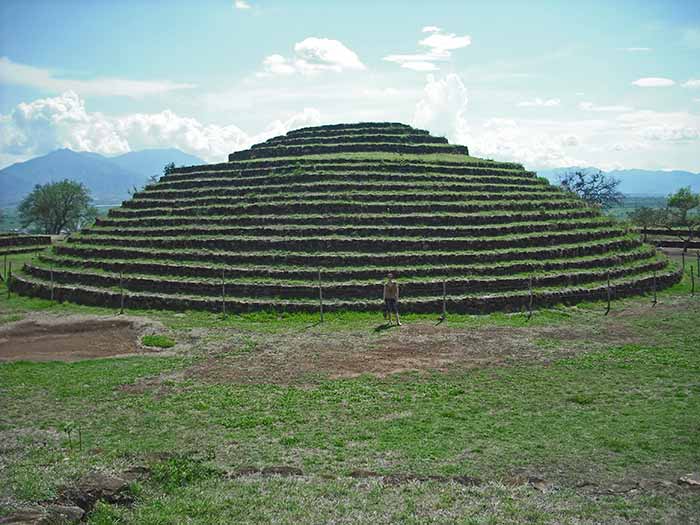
(57, 207)
(646, 218)
(681, 203)
(680, 218)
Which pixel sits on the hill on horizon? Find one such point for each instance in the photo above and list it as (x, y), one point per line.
(640, 182)
(109, 179)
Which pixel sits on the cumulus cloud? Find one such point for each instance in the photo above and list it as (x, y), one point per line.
(442, 107)
(443, 111)
(692, 83)
(653, 82)
(590, 106)
(24, 75)
(241, 4)
(609, 137)
(540, 103)
(440, 46)
(534, 144)
(313, 55)
(64, 122)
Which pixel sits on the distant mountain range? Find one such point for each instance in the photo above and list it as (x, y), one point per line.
(108, 178)
(640, 182)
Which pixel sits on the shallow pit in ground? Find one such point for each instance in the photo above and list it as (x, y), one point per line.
(70, 339)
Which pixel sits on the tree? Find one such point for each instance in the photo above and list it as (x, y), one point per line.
(594, 187)
(57, 207)
(680, 219)
(646, 218)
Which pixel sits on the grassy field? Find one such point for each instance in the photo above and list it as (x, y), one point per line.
(631, 203)
(570, 417)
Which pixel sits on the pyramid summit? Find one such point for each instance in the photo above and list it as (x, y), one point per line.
(353, 202)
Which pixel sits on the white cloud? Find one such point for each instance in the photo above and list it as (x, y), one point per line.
(653, 82)
(692, 83)
(442, 107)
(535, 144)
(570, 141)
(278, 65)
(696, 100)
(381, 92)
(418, 61)
(63, 122)
(443, 111)
(419, 65)
(241, 4)
(590, 106)
(440, 46)
(446, 41)
(612, 138)
(658, 126)
(636, 49)
(24, 75)
(313, 55)
(540, 103)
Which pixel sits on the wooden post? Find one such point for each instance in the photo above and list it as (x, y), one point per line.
(121, 293)
(444, 300)
(683, 259)
(51, 274)
(692, 281)
(320, 294)
(9, 278)
(653, 284)
(607, 310)
(530, 298)
(223, 294)
(4, 266)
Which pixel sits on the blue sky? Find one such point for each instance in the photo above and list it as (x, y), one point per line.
(610, 84)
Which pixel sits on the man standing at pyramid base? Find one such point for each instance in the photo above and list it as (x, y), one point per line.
(391, 299)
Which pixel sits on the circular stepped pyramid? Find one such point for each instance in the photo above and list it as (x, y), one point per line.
(355, 202)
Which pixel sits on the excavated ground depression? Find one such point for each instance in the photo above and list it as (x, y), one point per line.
(69, 339)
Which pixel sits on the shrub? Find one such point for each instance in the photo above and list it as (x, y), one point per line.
(158, 341)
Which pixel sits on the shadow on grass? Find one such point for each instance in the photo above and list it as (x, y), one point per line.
(383, 327)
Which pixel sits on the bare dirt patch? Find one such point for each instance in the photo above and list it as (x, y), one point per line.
(72, 338)
(305, 357)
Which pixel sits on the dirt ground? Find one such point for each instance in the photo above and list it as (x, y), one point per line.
(306, 356)
(73, 338)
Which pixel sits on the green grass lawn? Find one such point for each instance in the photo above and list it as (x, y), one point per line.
(604, 409)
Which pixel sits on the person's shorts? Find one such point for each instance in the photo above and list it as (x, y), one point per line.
(391, 305)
